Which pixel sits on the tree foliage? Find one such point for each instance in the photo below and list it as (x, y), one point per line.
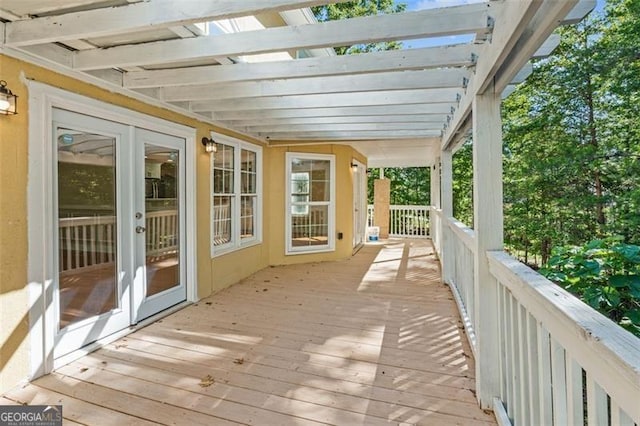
(359, 8)
(409, 185)
(603, 273)
(572, 140)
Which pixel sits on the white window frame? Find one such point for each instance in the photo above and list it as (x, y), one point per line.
(331, 223)
(237, 242)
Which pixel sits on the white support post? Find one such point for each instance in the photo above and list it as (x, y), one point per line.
(435, 184)
(446, 202)
(434, 194)
(488, 225)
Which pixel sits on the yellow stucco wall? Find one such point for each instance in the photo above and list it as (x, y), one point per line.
(344, 203)
(14, 318)
(212, 274)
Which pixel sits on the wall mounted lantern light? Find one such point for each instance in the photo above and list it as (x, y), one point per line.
(8, 101)
(209, 145)
(354, 167)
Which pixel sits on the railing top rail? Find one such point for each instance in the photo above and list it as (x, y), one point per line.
(462, 231)
(408, 207)
(86, 220)
(608, 353)
(405, 206)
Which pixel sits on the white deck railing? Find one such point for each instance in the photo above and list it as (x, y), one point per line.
(561, 362)
(86, 242)
(405, 221)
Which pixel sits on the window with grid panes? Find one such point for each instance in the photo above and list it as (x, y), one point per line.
(236, 207)
(310, 203)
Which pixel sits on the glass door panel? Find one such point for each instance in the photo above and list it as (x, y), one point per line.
(92, 274)
(162, 257)
(159, 220)
(87, 225)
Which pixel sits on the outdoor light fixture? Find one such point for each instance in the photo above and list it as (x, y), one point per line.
(8, 100)
(209, 145)
(354, 167)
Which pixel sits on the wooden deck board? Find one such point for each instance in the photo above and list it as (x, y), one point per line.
(371, 340)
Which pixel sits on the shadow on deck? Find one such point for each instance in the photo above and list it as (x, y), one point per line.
(372, 340)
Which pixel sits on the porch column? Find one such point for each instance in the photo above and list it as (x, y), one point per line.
(435, 184)
(446, 204)
(488, 225)
(381, 201)
(434, 194)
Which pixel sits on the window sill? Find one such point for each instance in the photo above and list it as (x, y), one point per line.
(228, 250)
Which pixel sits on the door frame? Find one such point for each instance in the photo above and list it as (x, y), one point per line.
(143, 306)
(41, 256)
(359, 186)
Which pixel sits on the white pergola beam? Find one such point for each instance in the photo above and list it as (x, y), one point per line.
(416, 118)
(579, 11)
(426, 23)
(138, 17)
(512, 18)
(375, 110)
(393, 60)
(298, 128)
(547, 46)
(361, 135)
(405, 80)
(383, 98)
(525, 27)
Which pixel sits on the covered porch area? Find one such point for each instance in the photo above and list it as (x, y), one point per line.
(375, 339)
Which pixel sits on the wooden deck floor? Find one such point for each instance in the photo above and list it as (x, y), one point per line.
(372, 340)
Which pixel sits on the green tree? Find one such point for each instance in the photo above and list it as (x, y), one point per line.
(409, 185)
(463, 184)
(359, 8)
(571, 153)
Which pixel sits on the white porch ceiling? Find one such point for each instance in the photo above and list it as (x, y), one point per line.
(396, 107)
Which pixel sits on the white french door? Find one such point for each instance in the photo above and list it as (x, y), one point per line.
(159, 204)
(119, 208)
(359, 204)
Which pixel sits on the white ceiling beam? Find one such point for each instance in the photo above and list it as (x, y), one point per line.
(406, 25)
(525, 27)
(384, 134)
(423, 108)
(383, 98)
(511, 19)
(580, 10)
(405, 118)
(405, 80)
(547, 46)
(393, 60)
(138, 17)
(298, 128)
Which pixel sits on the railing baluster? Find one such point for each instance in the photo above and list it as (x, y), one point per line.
(533, 361)
(508, 349)
(85, 248)
(575, 414)
(523, 352)
(93, 244)
(68, 249)
(597, 414)
(619, 417)
(558, 377)
(515, 353)
(545, 391)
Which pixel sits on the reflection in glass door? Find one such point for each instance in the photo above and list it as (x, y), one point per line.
(119, 209)
(159, 223)
(92, 297)
(162, 257)
(87, 225)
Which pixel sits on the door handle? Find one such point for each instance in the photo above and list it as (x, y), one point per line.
(140, 229)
